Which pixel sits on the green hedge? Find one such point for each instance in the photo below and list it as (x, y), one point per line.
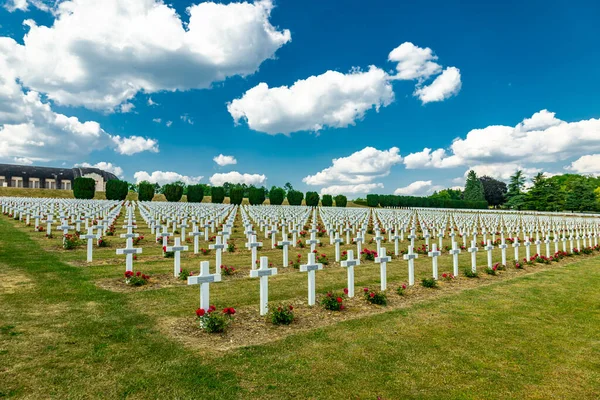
(312, 199)
(426, 202)
(116, 189)
(84, 188)
(327, 200)
(145, 192)
(276, 196)
(295, 198)
(217, 194)
(256, 195)
(340, 200)
(195, 194)
(372, 200)
(236, 195)
(173, 192)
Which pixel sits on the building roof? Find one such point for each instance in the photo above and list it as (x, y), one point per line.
(32, 171)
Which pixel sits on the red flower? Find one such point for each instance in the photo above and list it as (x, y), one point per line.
(165, 249)
(314, 251)
(138, 273)
(339, 299)
(345, 290)
(342, 307)
(366, 290)
(200, 312)
(403, 286)
(372, 294)
(444, 275)
(229, 311)
(291, 307)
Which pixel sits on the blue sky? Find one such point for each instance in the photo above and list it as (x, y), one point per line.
(518, 63)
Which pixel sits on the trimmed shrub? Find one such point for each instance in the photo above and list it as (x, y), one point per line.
(217, 194)
(145, 192)
(340, 200)
(84, 188)
(372, 200)
(327, 200)
(173, 192)
(236, 195)
(116, 189)
(256, 195)
(295, 198)
(276, 196)
(195, 194)
(312, 199)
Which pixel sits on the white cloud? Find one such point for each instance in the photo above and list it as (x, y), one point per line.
(152, 102)
(157, 120)
(429, 159)
(224, 160)
(236, 177)
(23, 160)
(588, 164)
(164, 177)
(541, 138)
(169, 123)
(23, 5)
(186, 118)
(418, 188)
(414, 62)
(126, 107)
(99, 54)
(332, 99)
(360, 167)
(444, 86)
(135, 144)
(502, 171)
(334, 190)
(105, 166)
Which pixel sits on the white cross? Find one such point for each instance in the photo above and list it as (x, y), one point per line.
(412, 237)
(65, 228)
(382, 260)
(195, 233)
(263, 273)
(503, 247)
(349, 264)
(434, 254)
(313, 241)
(273, 233)
(473, 250)
(177, 249)
(395, 238)
(455, 252)
(378, 239)
(129, 251)
(253, 245)
(165, 236)
(489, 249)
(49, 223)
(527, 251)
(284, 244)
(90, 244)
(358, 240)
(311, 267)
(410, 256)
(337, 241)
(516, 245)
(204, 280)
(218, 246)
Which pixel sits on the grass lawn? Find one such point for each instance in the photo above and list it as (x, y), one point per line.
(532, 334)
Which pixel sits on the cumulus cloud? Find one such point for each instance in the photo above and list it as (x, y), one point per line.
(414, 62)
(418, 188)
(444, 86)
(23, 5)
(222, 160)
(541, 138)
(334, 190)
(187, 119)
(164, 177)
(363, 166)
(99, 54)
(588, 164)
(502, 171)
(105, 166)
(236, 177)
(332, 99)
(23, 160)
(134, 144)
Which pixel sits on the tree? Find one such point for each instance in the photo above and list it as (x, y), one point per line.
(133, 187)
(515, 198)
(217, 194)
(236, 195)
(276, 196)
(84, 188)
(473, 188)
(312, 199)
(340, 200)
(145, 191)
(173, 191)
(256, 195)
(327, 200)
(295, 197)
(288, 187)
(581, 196)
(195, 194)
(493, 190)
(372, 200)
(116, 189)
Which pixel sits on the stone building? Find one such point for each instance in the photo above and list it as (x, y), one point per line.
(29, 176)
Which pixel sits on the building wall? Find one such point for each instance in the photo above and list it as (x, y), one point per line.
(100, 184)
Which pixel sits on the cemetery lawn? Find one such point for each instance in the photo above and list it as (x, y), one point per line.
(534, 336)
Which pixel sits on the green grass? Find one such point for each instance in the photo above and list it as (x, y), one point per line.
(533, 336)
